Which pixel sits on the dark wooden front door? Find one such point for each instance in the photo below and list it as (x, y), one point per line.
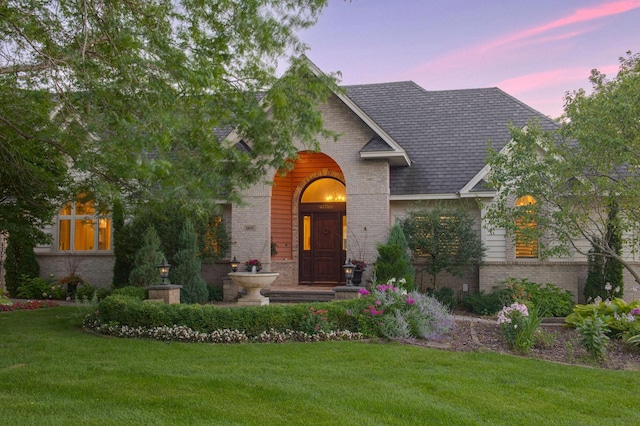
(321, 253)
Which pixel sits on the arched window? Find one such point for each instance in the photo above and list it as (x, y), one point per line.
(325, 190)
(526, 247)
(82, 228)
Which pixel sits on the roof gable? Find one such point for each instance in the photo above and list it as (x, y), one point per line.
(445, 133)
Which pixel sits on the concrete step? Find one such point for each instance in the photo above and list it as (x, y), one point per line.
(299, 296)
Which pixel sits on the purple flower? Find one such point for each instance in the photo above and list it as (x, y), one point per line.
(635, 311)
(364, 291)
(410, 301)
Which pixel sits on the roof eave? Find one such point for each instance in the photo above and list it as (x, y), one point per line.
(395, 158)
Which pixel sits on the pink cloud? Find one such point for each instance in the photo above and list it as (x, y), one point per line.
(563, 77)
(580, 15)
(483, 52)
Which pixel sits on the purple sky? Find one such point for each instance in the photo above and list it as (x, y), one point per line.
(535, 50)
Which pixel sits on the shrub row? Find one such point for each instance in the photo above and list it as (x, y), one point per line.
(130, 311)
(549, 300)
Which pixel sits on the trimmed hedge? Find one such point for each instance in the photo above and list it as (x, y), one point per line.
(126, 310)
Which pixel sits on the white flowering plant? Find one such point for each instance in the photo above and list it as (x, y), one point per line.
(519, 325)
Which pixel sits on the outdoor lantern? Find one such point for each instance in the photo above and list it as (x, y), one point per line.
(164, 270)
(234, 264)
(348, 271)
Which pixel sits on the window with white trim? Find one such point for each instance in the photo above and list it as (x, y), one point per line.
(82, 228)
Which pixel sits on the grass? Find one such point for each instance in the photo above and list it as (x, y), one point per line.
(53, 373)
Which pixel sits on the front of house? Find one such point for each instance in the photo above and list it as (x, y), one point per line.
(399, 145)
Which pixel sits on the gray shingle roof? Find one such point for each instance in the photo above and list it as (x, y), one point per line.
(445, 133)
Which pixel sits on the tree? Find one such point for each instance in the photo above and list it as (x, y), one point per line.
(394, 260)
(576, 170)
(168, 219)
(20, 262)
(594, 286)
(613, 269)
(122, 265)
(187, 267)
(445, 238)
(145, 269)
(133, 97)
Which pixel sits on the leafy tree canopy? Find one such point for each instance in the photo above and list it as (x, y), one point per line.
(576, 172)
(445, 237)
(134, 97)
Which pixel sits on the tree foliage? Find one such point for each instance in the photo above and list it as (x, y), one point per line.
(134, 97)
(148, 257)
(168, 219)
(394, 260)
(20, 262)
(613, 269)
(576, 171)
(445, 238)
(187, 267)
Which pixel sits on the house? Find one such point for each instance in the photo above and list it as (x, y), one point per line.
(399, 144)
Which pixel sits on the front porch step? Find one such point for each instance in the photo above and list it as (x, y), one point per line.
(299, 296)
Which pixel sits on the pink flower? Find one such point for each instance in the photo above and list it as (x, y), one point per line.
(410, 301)
(364, 291)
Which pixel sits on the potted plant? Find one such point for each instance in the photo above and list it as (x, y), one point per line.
(71, 282)
(250, 264)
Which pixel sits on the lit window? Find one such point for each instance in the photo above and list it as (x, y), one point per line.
(325, 190)
(82, 229)
(526, 246)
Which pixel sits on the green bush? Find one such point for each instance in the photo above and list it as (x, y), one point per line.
(215, 293)
(20, 261)
(444, 295)
(132, 311)
(132, 291)
(549, 300)
(37, 288)
(616, 315)
(593, 336)
(85, 292)
(485, 303)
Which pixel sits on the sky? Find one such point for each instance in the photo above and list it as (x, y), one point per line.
(535, 50)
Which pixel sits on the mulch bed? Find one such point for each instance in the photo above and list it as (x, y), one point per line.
(560, 344)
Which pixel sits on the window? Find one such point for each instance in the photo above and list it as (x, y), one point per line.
(325, 190)
(437, 235)
(81, 228)
(526, 244)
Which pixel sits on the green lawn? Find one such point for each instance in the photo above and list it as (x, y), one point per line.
(52, 373)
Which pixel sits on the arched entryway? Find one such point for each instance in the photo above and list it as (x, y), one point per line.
(288, 254)
(322, 225)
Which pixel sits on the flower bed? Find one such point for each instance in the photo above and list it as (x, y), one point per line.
(389, 312)
(28, 305)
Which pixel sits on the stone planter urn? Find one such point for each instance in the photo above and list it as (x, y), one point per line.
(253, 282)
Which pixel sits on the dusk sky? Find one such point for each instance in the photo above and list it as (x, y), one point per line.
(535, 50)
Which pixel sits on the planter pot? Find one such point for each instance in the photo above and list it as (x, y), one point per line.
(71, 289)
(357, 276)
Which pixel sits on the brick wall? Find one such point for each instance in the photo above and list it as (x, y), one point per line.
(367, 186)
(94, 268)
